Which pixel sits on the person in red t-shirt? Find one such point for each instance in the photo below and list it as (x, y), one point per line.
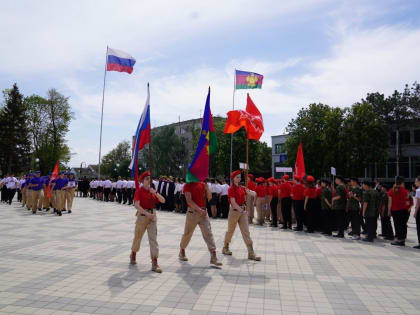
(196, 194)
(145, 200)
(261, 199)
(310, 203)
(298, 202)
(273, 199)
(238, 216)
(285, 190)
(398, 204)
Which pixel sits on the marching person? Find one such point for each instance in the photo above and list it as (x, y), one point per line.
(196, 194)
(145, 200)
(35, 185)
(386, 226)
(273, 199)
(224, 200)
(11, 185)
(238, 216)
(327, 214)
(107, 189)
(69, 192)
(46, 200)
(60, 183)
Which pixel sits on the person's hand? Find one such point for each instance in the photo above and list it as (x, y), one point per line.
(152, 190)
(151, 216)
(389, 213)
(203, 212)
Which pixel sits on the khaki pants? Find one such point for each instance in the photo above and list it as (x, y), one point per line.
(193, 218)
(41, 199)
(24, 196)
(53, 199)
(35, 199)
(143, 223)
(238, 218)
(260, 209)
(29, 198)
(60, 199)
(250, 200)
(69, 198)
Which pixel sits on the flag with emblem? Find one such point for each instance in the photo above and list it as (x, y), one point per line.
(198, 170)
(248, 80)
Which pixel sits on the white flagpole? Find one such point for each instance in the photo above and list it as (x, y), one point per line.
(233, 108)
(102, 116)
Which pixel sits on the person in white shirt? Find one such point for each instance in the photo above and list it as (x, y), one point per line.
(119, 189)
(11, 186)
(113, 193)
(124, 190)
(107, 188)
(214, 189)
(224, 200)
(131, 187)
(3, 189)
(20, 182)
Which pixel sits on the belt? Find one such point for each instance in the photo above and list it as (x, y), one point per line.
(148, 210)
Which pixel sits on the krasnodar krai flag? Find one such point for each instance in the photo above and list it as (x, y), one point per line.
(117, 60)
(142, 137)
(248, 80)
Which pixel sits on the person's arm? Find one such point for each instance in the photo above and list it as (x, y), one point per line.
(416, 212)
(327, 202)
(306, 202)
(364, 209)
(235, 205)
(140, 210)
(193, 205)
(158, 196)
(207, 192)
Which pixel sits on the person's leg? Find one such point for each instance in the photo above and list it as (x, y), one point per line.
(273, 206)
(191, 222)
(232, 222)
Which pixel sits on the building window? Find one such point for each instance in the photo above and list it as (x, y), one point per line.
(417, 136)
(405, 137)
(278, 148)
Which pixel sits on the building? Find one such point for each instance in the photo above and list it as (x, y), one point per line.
(279, 155)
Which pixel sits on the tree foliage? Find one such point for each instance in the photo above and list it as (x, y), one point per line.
(115, 162)
(15, 143)
(49, 120)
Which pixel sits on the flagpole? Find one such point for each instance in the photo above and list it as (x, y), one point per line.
(233, 108)
(150, 144)
(102, 116)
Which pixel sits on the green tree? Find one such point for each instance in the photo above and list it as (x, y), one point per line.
(115, 163)
(49, 120)
(15, 145)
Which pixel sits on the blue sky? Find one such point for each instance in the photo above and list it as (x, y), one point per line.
(308, 51)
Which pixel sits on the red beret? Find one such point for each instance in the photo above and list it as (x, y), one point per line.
(286, 177)
(260, 180)
(235, 173)
(251, 176)
(310, 179)
(297, 177)
(143, 175)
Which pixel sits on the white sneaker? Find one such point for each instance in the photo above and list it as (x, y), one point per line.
(355, 237)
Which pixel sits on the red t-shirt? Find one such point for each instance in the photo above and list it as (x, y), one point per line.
(400, 200)
(197, 193)
(285, 190)
(261, 191)
(310, 193)
(238, 193)
(318, 192)
(147, 200)
(298, 192)
(273, 190)
(251, 185)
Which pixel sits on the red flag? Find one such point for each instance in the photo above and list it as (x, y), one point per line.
(251, 120)
(54, 175)
(300, 163)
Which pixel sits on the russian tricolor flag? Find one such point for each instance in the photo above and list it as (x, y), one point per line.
(142, 137)
(117, 60)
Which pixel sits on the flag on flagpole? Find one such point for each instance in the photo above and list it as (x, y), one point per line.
(142, 137)
(248, 80)
(300, 163)
(117, 60)
(198, 170)
(53, 176)
(251, 119)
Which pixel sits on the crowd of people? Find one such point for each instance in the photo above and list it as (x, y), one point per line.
(37, 193)
(312, 205)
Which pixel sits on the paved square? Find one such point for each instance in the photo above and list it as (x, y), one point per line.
(78, 263)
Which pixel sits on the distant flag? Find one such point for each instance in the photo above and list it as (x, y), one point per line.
(142, 137)
(251, 119)
(54, 175)
(300, 163)
(117, 60)
(198, 170)
(248, 80)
